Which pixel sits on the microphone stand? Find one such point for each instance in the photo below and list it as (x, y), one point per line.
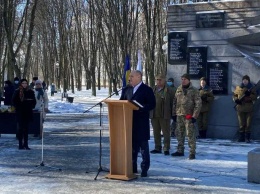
(100, 169)
(42, 163)
(102, 101)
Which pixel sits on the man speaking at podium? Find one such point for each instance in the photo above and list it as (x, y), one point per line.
(142, 94)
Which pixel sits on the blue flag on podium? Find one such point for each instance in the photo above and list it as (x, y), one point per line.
(126, 71)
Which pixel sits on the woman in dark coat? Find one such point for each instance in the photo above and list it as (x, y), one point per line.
(24, 101)
(9, 91)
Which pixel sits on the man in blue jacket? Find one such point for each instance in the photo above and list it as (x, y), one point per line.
(143, 94)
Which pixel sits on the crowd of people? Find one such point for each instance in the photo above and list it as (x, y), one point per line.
(25, 99)
(178, 112)
(173, 111)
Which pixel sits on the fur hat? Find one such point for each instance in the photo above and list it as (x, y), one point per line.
(38, 82)
(35, 78)
(16, 79)
(185, 75)
(170, 79)
(246, 77)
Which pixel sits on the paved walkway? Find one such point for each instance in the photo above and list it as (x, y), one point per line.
(71, 143)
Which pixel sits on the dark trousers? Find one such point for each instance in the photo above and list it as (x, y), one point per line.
(23, 125)
(142, 146)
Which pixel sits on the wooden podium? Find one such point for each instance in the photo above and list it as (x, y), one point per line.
(120, 114)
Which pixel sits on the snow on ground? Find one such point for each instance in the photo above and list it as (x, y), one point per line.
(220, 165)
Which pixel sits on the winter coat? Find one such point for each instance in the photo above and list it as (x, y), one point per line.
(52, 88)
(41, 103)
(248, 101)
(173, 88)
(141, 123)
(187, 101)
(24, 107)
(207, 98)
(164, 102)
(8, 93)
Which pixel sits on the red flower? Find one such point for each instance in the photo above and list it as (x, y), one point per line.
(188, 117)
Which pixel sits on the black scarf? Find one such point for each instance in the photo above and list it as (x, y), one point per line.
(40, 93)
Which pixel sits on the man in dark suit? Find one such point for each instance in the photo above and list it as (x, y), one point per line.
(143, 94)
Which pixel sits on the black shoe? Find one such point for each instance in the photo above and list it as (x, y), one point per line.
(144, 174)
(156, 151)
(177, 154)
(27, 148)
(247, 138)
(191, 156)
(166, 153)
(21, 148)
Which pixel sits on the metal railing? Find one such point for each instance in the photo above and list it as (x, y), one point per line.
(191, 1)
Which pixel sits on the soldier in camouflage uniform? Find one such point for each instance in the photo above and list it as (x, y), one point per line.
(186, 109)
(161, 115)
(170, 83)
(206, 97)
(244, 107)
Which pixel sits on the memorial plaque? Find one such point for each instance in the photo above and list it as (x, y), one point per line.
(217, 72)
(210, 19)
(197, 61)
(177, 47)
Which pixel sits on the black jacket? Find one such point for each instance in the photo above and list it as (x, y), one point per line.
(141, 123)
(24, 108)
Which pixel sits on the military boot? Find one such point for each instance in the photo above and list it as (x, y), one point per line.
(241, 137)
(248, 137)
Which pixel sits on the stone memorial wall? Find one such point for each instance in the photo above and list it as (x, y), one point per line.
(222, 45)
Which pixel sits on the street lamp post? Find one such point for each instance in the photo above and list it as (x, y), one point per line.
(57, 74)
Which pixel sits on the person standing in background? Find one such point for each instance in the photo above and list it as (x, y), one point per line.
(52, 89)
(32, 84)
(8, 92)
(16, 83)
(143, 94)
(42, 101)
(170, 83)
(244, 96)
(161, 115)
(207, 98)
(24, 101)
(186, 109)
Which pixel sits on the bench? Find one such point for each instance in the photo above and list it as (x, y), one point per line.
(253, 174)
(8, 124)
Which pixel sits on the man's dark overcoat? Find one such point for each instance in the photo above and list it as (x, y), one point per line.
(141, 125)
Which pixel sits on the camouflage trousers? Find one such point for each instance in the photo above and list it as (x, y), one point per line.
(173, 128)
(244, 120)
(185, 126)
